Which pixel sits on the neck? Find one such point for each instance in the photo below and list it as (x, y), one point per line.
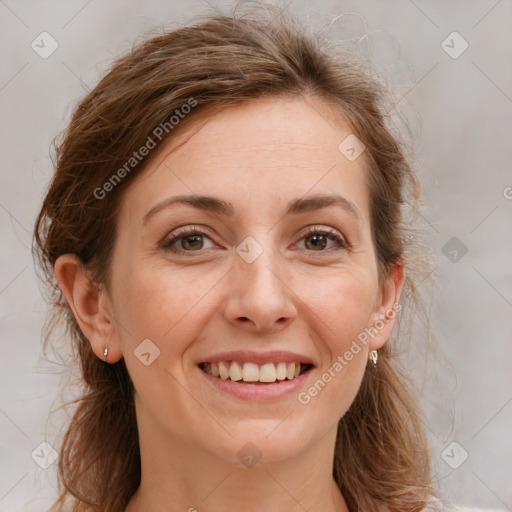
(179, 476)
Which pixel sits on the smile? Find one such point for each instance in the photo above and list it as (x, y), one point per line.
(267, 373)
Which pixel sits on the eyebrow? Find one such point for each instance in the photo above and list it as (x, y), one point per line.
(221, 207)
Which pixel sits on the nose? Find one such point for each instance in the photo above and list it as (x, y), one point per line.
(259, 298)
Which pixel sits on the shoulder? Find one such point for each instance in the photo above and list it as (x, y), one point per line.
(461, 508)
(458, 508)
(440, 506)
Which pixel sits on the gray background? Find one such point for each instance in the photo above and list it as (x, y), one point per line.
(460, 110)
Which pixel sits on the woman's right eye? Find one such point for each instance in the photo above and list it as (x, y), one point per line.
(186, 240)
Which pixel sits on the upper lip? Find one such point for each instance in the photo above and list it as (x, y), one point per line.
(247, 356)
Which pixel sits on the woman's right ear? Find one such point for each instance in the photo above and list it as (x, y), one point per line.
(85, 299)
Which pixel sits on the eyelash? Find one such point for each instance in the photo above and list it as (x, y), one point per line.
(182, 233)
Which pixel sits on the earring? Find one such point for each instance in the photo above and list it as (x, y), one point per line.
(373, 356)
(105, 353)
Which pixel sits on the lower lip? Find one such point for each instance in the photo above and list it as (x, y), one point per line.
(249, 391)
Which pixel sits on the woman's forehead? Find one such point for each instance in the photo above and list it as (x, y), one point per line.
(271, 148)
(274, 122)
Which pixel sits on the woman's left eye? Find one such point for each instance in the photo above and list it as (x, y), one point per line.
(193, 240)
(320, 237)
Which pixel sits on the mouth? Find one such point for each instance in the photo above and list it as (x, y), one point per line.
(247, 375)
(244, 372)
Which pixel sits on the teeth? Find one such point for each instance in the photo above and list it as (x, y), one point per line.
(235, 372)
(251, 372)
(267, 372)
(223, 371)
(281, 371)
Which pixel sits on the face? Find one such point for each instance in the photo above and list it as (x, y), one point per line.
(262, 270)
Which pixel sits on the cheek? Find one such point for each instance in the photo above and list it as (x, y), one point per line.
(163, 305)
(340, 307)
(343, 302)
(172, 310)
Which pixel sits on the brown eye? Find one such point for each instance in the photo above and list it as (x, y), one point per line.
(317, 240)
(187, 240)
(192, 242)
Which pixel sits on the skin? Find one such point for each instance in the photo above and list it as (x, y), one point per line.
(294, 296)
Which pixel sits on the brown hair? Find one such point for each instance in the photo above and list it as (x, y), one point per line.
(381, 453)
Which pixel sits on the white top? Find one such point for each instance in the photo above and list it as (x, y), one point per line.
(461, 508)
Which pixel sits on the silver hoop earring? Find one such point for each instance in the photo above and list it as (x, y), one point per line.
(373, 356)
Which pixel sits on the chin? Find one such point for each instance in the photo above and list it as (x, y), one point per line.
(261, 443)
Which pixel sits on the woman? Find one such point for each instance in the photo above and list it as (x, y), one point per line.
(224, 238)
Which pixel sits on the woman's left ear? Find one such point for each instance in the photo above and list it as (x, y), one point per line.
(387, 307)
